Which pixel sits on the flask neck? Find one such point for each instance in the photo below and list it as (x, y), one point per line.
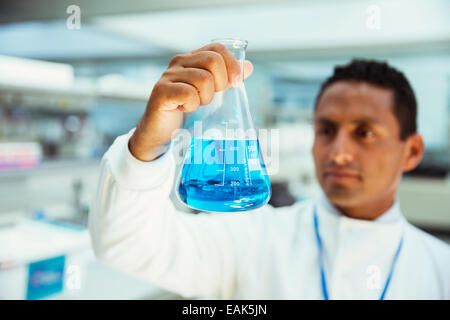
(237, 48)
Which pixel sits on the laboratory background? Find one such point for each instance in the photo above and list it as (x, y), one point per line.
(75, 75)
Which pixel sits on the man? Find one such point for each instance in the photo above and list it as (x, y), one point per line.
(350, 243)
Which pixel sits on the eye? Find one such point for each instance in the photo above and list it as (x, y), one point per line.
(365, 134)
(324, 131)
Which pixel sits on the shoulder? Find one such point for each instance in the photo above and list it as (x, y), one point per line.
(436, 249)
(429, 240)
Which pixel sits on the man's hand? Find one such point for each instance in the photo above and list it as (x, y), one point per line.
(189, 82)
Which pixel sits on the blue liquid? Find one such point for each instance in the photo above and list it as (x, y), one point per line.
(224, 176)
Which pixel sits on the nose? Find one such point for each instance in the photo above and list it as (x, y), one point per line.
(341, 152)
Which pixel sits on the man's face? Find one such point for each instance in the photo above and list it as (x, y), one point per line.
(357, 149)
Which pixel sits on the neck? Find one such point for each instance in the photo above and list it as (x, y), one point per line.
(368, 210)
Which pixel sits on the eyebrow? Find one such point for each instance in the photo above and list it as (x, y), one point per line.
(365, 120)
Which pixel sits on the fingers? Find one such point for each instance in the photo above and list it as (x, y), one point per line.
(206, 60)
(167, 95)
(201, 79)
(232, 65)
(192, 78)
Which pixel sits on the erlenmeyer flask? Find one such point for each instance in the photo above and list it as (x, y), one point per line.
(223, 169)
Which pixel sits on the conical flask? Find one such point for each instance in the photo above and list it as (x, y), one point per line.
(223, 169)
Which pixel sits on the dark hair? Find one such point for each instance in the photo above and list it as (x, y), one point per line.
(383, 75)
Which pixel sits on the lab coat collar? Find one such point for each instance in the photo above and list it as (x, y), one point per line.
(351, 246)
(392, 215)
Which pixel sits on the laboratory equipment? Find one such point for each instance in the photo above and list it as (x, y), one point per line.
(223, 169)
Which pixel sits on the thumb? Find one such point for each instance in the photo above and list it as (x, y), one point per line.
(248, 68)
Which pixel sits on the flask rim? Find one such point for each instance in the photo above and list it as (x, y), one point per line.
(234, 42)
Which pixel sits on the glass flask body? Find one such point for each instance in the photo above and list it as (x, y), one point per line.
(223, 169)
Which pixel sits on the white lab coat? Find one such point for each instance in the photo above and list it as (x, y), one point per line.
(267, 253)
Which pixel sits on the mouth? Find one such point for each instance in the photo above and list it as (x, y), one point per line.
(342, 175)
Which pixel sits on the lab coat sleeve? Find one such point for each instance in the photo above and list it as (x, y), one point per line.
(135, 228)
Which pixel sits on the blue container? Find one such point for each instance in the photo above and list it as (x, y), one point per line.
(224, 176)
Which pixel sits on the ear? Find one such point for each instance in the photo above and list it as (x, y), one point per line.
(413, 152)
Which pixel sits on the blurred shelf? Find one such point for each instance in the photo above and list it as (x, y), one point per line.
(53, 184)
(62, 99)
(49, 166)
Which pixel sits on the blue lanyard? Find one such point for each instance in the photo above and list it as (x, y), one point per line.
(323, 280)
